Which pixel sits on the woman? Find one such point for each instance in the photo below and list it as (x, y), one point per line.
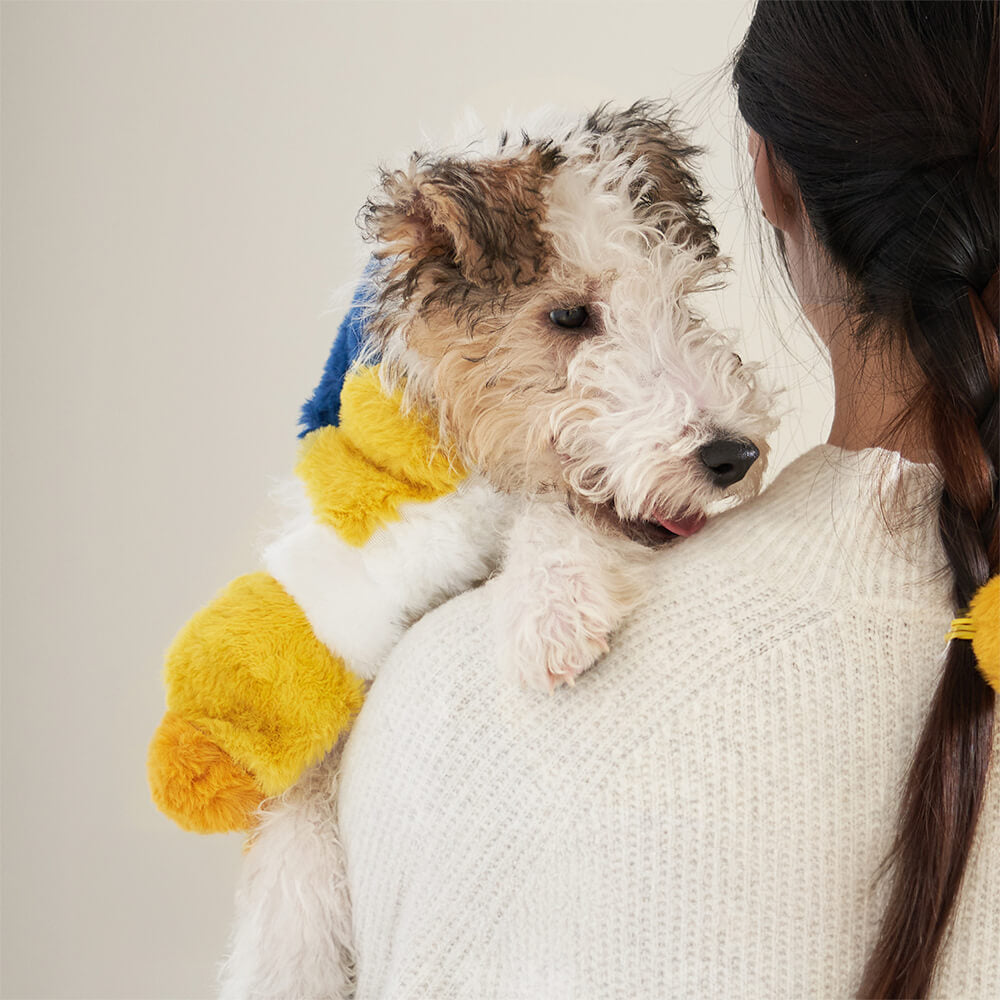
(908, 231)
(709, 811)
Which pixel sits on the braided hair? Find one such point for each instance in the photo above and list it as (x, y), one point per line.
(886, 114)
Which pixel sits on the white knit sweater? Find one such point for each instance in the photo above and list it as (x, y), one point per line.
(703, 814)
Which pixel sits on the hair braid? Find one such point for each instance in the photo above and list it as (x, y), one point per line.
(956, 344)
(947, 777)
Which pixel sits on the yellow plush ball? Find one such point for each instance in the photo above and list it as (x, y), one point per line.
(985, 614)
(196, 783)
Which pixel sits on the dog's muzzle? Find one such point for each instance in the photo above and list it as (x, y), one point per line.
(728, 461)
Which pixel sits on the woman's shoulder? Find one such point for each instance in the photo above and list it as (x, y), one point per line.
(835, 538)
(834, 526)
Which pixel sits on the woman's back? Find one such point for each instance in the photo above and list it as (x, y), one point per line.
(703, 815)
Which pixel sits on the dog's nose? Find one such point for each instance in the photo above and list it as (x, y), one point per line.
(727, 461)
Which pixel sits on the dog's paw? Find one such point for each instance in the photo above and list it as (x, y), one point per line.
(544, 668)
(553, 632)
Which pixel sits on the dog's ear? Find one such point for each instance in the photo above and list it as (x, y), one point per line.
(481, 219)
(671, 183)
(667, 186)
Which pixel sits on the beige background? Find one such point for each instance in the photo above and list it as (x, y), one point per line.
(179, 184)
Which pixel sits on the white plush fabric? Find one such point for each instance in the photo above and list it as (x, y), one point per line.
(359, 599)
(703, 814)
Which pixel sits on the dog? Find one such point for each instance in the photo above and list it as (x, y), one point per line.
(537, 299)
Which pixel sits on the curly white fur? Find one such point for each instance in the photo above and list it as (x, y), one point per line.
(292, 935)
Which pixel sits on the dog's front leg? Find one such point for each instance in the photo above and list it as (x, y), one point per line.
(565, 588)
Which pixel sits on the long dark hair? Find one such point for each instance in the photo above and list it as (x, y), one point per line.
(886, 114)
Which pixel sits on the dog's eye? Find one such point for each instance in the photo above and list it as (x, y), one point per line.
(570, 319)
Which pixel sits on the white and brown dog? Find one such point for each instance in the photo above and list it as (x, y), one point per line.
(538, 299)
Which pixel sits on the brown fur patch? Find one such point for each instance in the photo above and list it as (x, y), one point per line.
(669, 191)
(494, 381)
(476, 221)
(468, 264)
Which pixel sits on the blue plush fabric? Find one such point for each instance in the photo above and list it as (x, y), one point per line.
(323, 408)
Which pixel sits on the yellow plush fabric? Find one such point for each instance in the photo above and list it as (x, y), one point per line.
(196, 783)
(248, 672)
(253, 696)
(985, 614)
(357, 474)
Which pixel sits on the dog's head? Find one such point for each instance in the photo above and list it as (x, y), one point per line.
(539, 299)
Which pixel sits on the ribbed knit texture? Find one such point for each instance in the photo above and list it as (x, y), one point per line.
(704, 813)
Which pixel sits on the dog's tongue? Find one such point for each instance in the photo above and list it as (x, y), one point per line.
(684, 526)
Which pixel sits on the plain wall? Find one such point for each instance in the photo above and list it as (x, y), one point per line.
(179, 187)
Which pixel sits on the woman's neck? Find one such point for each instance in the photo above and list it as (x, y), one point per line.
(873, 391)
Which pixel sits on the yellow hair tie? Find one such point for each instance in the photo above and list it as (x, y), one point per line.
(982, 628)
(961, 628)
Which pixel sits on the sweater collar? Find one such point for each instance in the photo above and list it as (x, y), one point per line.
(863, 521)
